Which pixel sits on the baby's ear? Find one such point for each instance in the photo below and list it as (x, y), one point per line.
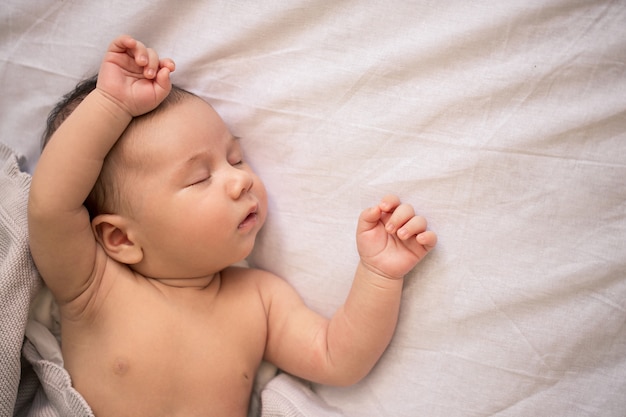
(114, 234)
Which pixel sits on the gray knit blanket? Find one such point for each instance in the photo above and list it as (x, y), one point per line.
(33, 381)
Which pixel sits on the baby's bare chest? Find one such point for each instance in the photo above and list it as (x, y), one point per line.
(178, 357)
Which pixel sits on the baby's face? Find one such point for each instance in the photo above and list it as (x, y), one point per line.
(198, 205)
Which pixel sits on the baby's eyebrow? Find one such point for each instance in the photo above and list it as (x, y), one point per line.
(185, 167)
(202, 155)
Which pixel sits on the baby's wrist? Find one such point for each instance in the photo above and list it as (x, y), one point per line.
(377, 272)
(113, 106)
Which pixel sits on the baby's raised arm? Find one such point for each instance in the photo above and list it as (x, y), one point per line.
(391, 240)
(132, 81)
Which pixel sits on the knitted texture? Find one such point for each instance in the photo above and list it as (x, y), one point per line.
(18, 277)
(33, 386)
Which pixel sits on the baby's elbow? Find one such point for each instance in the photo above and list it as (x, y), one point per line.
(346, 377)
(346, 381)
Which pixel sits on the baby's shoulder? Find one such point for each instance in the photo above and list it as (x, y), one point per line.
(245, 276)
(264, 283)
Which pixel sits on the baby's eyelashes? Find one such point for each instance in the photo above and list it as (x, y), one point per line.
(199, 181)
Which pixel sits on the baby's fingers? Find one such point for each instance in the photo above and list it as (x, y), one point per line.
(389, 203)
(162, 84)
(400, 216)
(427, 239)
(152, 64)
(414, 226)
(167, 63)
(145, 58)
(133, 48)
(122, 44)
(368, 219)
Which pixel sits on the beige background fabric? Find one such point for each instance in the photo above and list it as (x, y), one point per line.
(504, 123)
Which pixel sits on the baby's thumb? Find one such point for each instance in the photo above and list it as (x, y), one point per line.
(368, 219)
(163, 84)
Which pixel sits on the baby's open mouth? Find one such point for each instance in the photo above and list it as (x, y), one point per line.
(250, 219)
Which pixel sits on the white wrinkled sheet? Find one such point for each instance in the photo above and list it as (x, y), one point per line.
(504, 123)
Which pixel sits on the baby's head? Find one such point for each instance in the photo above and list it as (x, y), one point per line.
(106, 195)
(175, 198)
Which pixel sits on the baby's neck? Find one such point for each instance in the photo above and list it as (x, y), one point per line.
(199, 283)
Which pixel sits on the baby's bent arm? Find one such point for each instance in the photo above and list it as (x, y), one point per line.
(339, 351)
(342, 350)
(61, 240)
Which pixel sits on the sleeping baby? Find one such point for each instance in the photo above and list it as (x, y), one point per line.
(140, 203)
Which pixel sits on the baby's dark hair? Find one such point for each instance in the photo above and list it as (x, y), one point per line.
(71, 100)
(104, 197)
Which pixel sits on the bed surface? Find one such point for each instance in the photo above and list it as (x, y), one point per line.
(503, 123)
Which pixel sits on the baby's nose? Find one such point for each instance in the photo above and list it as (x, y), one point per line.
(240, 183)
